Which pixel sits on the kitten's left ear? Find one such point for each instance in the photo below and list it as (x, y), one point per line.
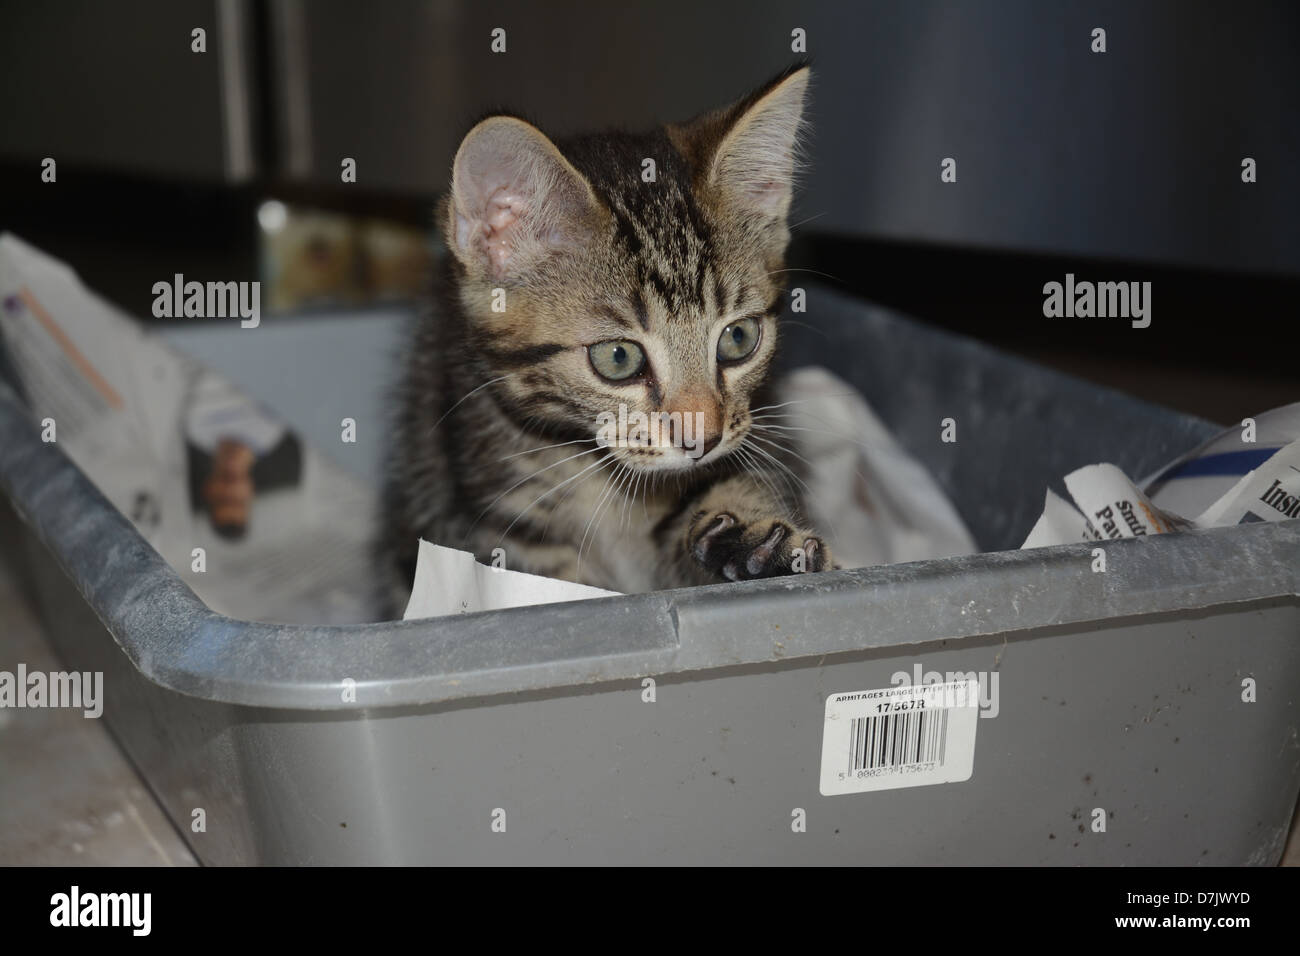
(748, 152)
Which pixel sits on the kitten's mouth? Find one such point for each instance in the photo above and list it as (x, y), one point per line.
(658, 458)
(663, 442)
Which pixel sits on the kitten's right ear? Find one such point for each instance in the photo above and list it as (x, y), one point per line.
(747, 152)
(515, 198)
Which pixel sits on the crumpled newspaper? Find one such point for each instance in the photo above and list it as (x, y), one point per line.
(448, 581)
(129, 409)
(874, 502)
(1110, 506)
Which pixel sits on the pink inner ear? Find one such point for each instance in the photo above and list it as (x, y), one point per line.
(513, 197)
(504, 208)
(494, 227)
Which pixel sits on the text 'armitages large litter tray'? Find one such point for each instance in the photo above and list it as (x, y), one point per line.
(527, 735)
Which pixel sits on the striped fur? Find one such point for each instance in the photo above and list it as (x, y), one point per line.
(495, 445)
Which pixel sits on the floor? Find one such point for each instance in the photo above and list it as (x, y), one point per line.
(68, 796)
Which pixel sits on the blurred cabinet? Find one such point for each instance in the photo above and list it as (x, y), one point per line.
(116, 86)
(1134, 153)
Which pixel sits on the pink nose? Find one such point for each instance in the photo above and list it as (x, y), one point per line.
(704, 412)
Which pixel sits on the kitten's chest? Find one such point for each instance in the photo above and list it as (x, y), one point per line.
(603, 516)
(611, 525)
(630, 569)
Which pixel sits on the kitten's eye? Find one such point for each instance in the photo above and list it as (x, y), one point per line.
(616, 360)
(737, 340)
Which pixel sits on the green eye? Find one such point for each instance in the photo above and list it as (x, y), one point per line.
(737, 340)
(616, 360)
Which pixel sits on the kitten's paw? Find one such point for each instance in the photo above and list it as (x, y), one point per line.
(765, 548)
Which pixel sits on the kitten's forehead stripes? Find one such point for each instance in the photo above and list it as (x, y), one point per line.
(524, 357)
(659, 224)
(642, 313)
(738, 296)
(719, 293)
(616, 316)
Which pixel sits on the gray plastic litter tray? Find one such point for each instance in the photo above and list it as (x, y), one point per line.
(1119, 690)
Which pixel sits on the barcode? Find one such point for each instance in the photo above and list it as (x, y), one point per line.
(898, 740)
(912, 736)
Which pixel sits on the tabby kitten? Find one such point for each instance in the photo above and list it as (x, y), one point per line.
(575, 286)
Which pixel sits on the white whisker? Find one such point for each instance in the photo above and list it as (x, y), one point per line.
(598, 465)
(529, 477)
(571, 491)
(530, 451)
(615, 475)
(786, 469)
(777, 272)
(754, 468)
(492, 381)
(780, 447)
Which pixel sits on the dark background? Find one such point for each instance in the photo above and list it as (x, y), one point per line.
(1117, 166)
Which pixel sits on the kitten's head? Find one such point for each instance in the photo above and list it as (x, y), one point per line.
(617, 280)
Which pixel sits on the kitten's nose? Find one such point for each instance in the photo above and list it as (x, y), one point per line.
(695, 436)
(703, 428)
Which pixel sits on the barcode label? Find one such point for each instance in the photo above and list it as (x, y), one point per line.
(898, 740)
(899, 737)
